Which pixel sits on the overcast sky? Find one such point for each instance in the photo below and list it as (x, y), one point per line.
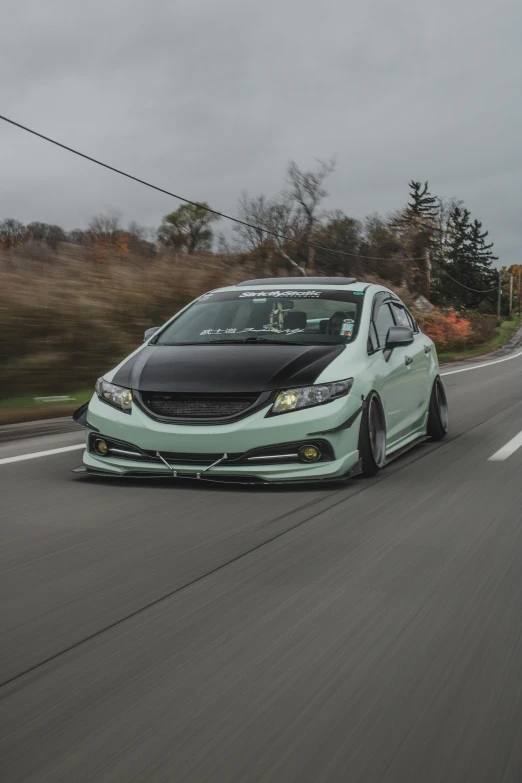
(211, 97)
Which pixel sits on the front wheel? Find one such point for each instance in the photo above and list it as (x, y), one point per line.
(438, 412)
(372, 438)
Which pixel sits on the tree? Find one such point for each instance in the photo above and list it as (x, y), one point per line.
(46, 234)
(480, 252)
(384, 247)
(441, 234)
(269, 220)
(338, 233)
(188, 228)
(12, 233)
(292, 218)
(107, 237)
(141, 240)
(468, 259)
(415, 227)
(78, 236)
(306, 193)
(104, 227)
(422, 205)
(516, 271)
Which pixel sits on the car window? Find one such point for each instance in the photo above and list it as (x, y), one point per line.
(401, 316)
(414, 324)
(373, 342)
(305, 316)
(383, 321)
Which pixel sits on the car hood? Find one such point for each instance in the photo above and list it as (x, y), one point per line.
(255, 367)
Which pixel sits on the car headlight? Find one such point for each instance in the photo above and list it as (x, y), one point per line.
(114, 395)
(295, 399)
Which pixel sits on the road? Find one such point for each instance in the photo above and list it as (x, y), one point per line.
(365, 632)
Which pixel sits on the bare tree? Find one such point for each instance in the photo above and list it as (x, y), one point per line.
(12, 233)
(284, 225)
(270, 221)
(307, 193)
(46, 234)
(105, 227)
(135, 230)
(256, 212)
(445, 209)
(78, 236)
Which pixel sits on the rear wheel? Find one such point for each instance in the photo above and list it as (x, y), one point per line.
(372, 438)
(438, 412)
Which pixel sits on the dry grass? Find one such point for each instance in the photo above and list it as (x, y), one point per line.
(65, 321)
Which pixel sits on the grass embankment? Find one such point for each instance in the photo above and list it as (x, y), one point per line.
(18, 409)
(503, 333)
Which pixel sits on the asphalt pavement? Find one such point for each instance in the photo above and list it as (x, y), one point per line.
(370, 631)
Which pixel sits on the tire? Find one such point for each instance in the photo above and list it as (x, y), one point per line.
(437, 427)
(372, 437)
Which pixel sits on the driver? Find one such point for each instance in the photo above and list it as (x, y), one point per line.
(335, 322)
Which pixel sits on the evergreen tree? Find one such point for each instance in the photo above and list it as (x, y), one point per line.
(422, 205)
(468, 260)
(479, 250)
(416, 228)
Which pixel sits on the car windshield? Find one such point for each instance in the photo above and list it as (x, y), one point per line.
(279, 316)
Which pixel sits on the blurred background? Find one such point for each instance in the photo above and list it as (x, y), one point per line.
(76, 302)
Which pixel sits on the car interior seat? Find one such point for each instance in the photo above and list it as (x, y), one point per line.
(295, 320)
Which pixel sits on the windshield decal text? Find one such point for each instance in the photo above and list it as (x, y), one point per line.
(282, 294)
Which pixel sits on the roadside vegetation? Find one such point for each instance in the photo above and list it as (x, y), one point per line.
(74, 303)
(471, 348)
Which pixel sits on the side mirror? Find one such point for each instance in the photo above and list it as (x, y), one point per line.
(150, 332)
(397, 336)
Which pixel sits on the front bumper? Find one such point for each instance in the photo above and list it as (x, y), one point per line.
(337, 423)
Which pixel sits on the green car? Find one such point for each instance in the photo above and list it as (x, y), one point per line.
(274, 380)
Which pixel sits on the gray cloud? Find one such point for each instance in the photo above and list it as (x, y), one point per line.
(208, 99)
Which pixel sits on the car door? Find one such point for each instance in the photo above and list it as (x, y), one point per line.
(392, 376)
(418, 366)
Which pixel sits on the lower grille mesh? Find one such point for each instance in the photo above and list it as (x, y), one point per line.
(197, 406)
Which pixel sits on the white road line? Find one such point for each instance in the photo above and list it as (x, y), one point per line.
(507, 450)
(485, 364)
(36, 454)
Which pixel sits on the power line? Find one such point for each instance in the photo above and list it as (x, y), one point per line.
(475, 290)
(196, 204)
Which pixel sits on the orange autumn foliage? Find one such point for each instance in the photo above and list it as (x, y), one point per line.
(448, 330)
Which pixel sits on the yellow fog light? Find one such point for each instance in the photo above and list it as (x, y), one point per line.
(101, 447)
(309, 453)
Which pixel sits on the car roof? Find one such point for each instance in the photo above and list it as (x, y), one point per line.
(313, 281)
(333, 283)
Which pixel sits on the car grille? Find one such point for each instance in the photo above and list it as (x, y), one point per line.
(197, 406)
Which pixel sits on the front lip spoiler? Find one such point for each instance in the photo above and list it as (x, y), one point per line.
(223, 479)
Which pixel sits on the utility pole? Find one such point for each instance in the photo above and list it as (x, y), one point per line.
(510, 295)
(519, 276)
(499, 296)
(428, 273)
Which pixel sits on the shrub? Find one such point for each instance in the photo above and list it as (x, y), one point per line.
(449, 331)
(482, 327)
